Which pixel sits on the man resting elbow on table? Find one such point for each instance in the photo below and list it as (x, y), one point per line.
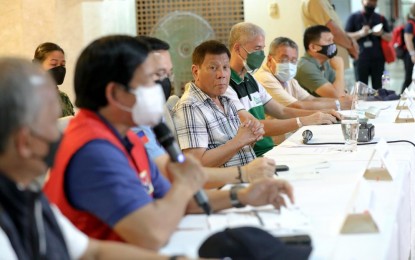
(102, 179)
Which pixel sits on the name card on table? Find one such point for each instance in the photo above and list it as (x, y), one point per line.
(402, 104)
(359, 220)
(387, 172)
(408, 107)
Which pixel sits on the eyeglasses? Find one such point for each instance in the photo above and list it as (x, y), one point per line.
(292, 61)
(163, 75)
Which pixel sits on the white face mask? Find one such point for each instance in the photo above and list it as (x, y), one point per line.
(148, 106)
(285, 71)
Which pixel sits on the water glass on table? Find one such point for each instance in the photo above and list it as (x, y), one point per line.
(350, 129)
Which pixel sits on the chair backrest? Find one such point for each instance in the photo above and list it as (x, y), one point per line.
(168, 108)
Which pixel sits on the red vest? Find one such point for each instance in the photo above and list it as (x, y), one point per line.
(83, 128)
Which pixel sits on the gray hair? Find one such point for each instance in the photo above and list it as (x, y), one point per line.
(281, 41)
(244, 32)
(19, 103)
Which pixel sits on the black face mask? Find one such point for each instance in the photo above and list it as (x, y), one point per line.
(329, 50)
(53, 148)
(58, 74)
(369, 9)
(49, 159)
(166, 85)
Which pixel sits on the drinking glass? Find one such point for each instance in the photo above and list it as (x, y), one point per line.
(350, 129)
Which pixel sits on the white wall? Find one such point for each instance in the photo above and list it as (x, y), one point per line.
(287, 24)
(70, 23)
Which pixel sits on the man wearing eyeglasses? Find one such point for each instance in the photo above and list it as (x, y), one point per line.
(246, 43)
(277, 76)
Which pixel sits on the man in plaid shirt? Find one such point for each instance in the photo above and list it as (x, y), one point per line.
(207, 123)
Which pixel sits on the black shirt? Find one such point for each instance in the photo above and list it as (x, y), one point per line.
(355, 22)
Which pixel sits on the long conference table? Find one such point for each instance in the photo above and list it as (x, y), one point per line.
(329, 186)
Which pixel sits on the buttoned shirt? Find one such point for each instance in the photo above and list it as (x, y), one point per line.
(200, 123)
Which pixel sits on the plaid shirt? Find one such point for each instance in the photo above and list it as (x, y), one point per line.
(201, 124)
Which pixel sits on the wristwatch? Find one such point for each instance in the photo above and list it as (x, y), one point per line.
(234, 196)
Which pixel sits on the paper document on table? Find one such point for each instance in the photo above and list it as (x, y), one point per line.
(285, 221)
(194, 222)
(310, 149)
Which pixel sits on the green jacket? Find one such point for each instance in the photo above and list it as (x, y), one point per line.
(67, 107)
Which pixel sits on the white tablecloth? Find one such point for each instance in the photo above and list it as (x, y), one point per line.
(328, 186)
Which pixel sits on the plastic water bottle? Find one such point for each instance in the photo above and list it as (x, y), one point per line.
(386, 80)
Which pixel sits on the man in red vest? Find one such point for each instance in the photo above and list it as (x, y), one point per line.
(103, 180)
(31, 228)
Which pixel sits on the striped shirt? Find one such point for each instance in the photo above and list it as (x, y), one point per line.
(201, 124)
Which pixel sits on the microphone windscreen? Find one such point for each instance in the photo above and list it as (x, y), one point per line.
(307, 135)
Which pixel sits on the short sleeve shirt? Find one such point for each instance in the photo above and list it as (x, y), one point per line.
(284, 93)
(201, 124)
(248, 94)
(311, 75)
(99, 175)
(355, 23)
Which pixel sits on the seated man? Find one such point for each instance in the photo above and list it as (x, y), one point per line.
(216, 177)
(247, 42)
(31, 228)
(207, 123)
(320, 71)
(102, 179)
(277, 76)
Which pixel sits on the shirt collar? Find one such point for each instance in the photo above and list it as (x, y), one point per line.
(235, 77)
(200, 95)
(308, 57)
(124, 140)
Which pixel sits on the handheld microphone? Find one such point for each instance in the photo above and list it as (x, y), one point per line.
(307, 135)
(166, 139)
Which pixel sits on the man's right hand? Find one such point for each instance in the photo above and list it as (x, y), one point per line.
(318, 118)
(346, 102)
(189, 174)
(258, 169)
(246, 135)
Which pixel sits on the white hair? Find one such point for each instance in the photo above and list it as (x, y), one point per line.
(19, 102)
(244, 32)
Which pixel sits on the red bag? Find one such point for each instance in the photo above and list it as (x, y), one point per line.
(388, 51)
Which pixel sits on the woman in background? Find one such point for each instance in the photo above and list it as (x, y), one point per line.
(52, 58)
